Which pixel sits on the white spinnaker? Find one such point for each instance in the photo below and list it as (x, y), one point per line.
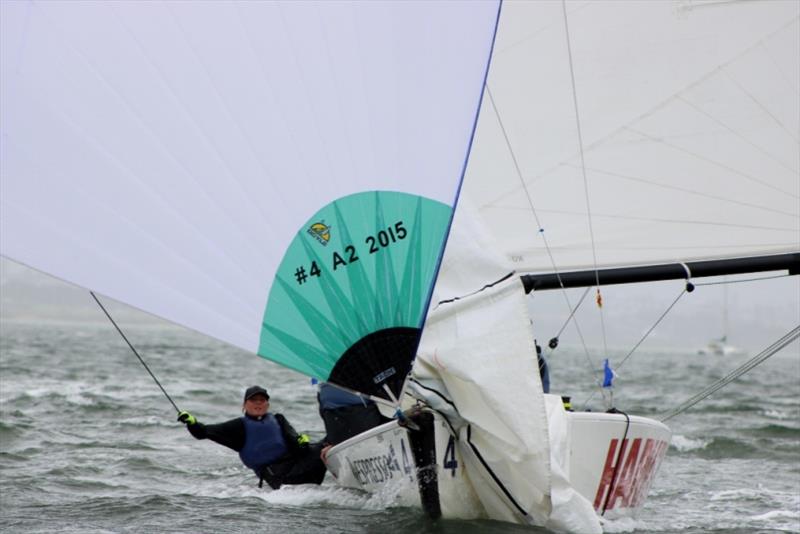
(165, 153)
(690, 119)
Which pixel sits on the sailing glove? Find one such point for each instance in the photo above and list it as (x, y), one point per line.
(186, 417)
(303, 440)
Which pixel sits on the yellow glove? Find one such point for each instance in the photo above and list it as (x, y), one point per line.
(186, 417)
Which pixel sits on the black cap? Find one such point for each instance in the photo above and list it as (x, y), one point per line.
(255, 390)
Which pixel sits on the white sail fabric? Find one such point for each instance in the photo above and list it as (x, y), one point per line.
(479, 353)
(166, 153)
(689, 115)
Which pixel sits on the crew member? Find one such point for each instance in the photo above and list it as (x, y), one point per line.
(266, 443)
(346, 414)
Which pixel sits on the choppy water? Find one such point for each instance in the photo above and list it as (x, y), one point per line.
(89, 444)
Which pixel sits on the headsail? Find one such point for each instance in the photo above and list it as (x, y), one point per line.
(180, 156)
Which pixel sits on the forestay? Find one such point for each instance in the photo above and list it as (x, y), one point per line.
(280, 176)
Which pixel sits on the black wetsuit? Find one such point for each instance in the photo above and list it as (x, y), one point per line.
(300, 465)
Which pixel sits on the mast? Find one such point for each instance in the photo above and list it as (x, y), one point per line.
(667, 271)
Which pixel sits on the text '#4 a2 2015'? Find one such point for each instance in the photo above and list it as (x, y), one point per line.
(350, 254)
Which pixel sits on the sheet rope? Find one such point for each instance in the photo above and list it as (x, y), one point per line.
(164, 391)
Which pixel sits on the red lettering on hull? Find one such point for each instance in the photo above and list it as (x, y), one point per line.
(638, 464)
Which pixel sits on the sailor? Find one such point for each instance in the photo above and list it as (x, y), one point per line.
(346, 414)
(266, 443)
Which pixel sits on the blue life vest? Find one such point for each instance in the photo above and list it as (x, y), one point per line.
(263, 442)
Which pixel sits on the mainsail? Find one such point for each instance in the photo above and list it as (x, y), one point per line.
(636, 133)
(612, 135)
(280, 176)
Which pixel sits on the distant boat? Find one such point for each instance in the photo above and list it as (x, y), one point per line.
(719, 346)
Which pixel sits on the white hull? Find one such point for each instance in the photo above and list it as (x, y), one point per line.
(381, 460)
(718, 348)
(615, 481)
(596, 453)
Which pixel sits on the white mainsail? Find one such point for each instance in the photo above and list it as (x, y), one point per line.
(689, 120)
(689, 117)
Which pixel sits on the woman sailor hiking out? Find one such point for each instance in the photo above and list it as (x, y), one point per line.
(266, 443)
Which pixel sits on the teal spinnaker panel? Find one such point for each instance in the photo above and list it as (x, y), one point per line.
(350, 294)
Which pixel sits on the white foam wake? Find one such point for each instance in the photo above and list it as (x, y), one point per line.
(684, 444)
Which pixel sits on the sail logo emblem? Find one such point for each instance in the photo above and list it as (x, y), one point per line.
(383, 375)
(321, 232)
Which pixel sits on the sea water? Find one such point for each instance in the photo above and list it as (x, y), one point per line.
(90, 444)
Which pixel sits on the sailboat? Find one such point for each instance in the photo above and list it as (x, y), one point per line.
(720, 346)
(595, 162)
(284, 177)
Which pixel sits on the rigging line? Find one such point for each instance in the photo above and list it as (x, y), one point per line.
(683, 291)
(736, 373)
(531, 35)
(134, 351)
(524, 185)
(589, 360)
(580, 335)
(578, 305)
(583, 170)
(742, 280)
(649, 331)
(547, 247)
